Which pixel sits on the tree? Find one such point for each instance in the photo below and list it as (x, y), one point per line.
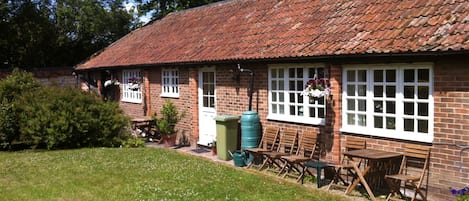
(161, 8)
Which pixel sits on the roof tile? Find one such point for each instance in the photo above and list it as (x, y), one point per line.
(252, 29)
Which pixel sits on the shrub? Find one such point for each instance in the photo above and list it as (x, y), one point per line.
(133, 142)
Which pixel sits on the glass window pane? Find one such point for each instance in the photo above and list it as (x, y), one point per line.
(351, 104)
(362, 105)
(205, 101)
(299, 72)
(292, 110)
(409, 108)
(390, 75)
(361, 120)
(423, 126)
(281, 97)
(350, 119)
(292, 97)
(281, 73)
(378, 106)
(423, 109)
(299, 97)
(378, 76)
(351, 75)
(424, 75)
(350, 90)
(281, 109)
(321, 100)
(390, 91)
(311, 72)
(390, 123)
(423, 92)
(274, 85)
(300, 111)
(390, 107)
(312, 112)
(361, 90)
(409, 75)
(378, 91)
(362, 75)
(212, 102)
(273, 73)
(408, 125)
(274, 108)
(299, 85)
(409, 92)
(281, 85)
(378, 122)
(321, 112)
(291, 72)
(274, 96)
(291, 86)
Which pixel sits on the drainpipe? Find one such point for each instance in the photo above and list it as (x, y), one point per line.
(251, 84)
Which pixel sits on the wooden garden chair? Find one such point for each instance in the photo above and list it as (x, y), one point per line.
(286, 146)
(413, 168)
(343, 172)
(268, 143)
(306, 152)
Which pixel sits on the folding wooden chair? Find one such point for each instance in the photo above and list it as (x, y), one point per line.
(268, 143)
(413, 168)
(343, 172)
(306, 152)
(286, 146)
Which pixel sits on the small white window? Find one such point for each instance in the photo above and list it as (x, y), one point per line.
(170, 82)
(286, 102)
(392, 100)
(131, 86)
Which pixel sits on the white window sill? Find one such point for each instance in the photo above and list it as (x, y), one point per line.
(131, 101)
(169, 95)
(303, 120)
(417, 137)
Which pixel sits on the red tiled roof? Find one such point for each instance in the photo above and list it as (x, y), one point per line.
(264, 29)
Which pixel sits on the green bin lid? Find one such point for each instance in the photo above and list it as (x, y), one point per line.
(226, 118)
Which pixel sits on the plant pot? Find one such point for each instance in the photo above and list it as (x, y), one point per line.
(214, 151)
(169, 140)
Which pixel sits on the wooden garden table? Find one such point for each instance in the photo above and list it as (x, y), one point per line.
(378, 163)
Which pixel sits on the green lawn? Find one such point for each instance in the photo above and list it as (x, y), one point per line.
(137, 174)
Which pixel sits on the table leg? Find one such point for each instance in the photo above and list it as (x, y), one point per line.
(361, 179)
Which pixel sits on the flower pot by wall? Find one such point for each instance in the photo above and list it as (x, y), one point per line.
(169, 140)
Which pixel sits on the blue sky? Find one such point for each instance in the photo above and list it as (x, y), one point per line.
(131, 4)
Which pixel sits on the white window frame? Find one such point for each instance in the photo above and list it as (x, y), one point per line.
(130, 95)
(398, 132)
(170, 82)
(283, 93)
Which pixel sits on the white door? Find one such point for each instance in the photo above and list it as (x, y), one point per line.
(207, 111)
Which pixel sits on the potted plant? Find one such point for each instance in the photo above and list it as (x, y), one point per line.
(213, 147)
(166, 124)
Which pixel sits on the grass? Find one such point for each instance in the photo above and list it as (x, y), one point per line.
(136, 174)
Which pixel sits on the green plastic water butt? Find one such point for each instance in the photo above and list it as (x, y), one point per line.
(227, 135)
(250, 130)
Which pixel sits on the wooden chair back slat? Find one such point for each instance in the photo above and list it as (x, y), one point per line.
(287, 142)
(269, 138)
(307, 144)
(353, 144)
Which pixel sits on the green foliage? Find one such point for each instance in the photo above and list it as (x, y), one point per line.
(161, 8)
(56, 117)
(170, 117)
(133, 142)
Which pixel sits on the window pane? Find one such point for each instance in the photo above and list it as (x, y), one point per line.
(291, 72)
(409, 75)
(321, 112)
(408, 125)
(274, 108)
(378, 106)
(300, 111)
(299, 85)
(281, 97)
(212, 102)
(378, 76)
(312, 112)
(423, 109)
(281, 73)
(362, 75)
(423, 92)
(361, 90)
(281, 85)
(378, 122)
(205, 101)
(390, 123)
(351, 75)
(351, 90)
(292, 97)
(390, 91)
(422, 126)
(424, 75)
(408, 108)
(362, 105)
(409, 92)
(378, 91)
(274, 85)
(390, 75)
(281, 109)
(321, 101)
(299, 72)
(351, 119)
(273, 73)
(299, 97)
(292, 110)
(361, 120)
(351, 104)
(291, 86)
(274, 96)
(390, 107)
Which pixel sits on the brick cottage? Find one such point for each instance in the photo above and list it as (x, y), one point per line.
(399, 73)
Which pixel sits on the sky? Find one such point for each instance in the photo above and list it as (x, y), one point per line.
(131, 4)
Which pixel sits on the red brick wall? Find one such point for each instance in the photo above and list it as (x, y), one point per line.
(51, 76)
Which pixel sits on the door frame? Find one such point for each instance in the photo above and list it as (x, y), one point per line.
(202, 123)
